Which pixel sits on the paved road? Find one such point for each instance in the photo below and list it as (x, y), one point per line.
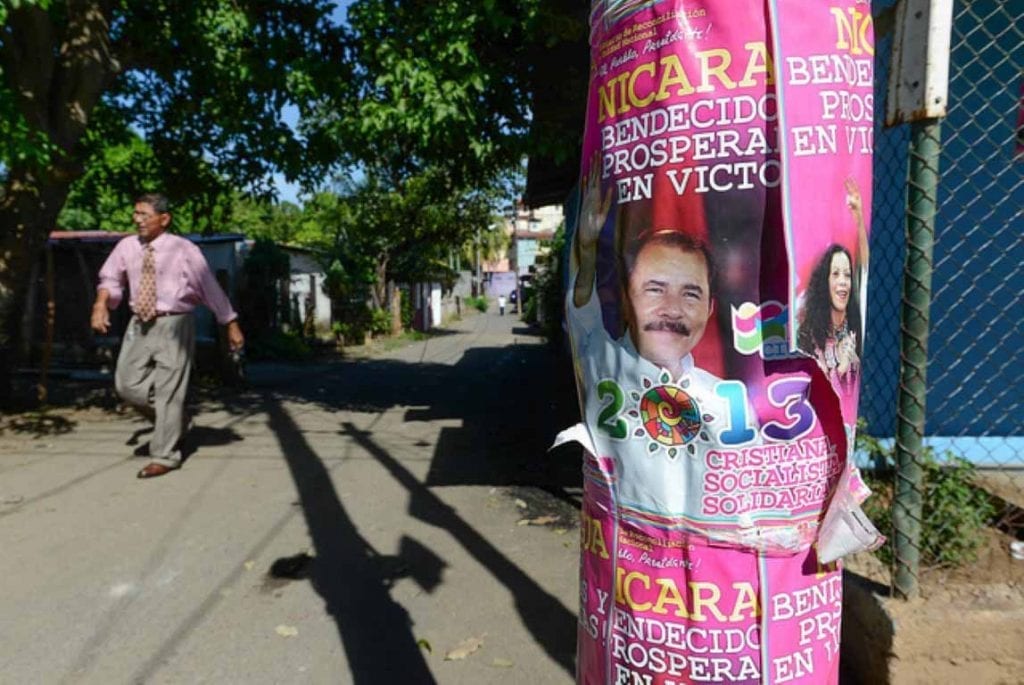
(346, 522)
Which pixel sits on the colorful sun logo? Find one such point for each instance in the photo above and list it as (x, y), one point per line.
(669, 416)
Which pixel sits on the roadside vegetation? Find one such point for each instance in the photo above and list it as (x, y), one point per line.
(955, 513)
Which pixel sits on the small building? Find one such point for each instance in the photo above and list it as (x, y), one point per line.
(500, 283)
(531, 230)
(308, 302)
(426, 305)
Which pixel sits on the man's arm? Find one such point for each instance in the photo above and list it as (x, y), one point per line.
(99, 321)
(593, 212)
(110, 289)
(213, 297)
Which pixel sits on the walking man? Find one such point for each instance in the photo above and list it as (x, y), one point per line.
(501, 304)
(167, 277)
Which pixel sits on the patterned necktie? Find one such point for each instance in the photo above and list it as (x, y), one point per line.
(145, 303)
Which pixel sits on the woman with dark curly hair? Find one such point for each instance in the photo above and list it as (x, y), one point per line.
(830, 321)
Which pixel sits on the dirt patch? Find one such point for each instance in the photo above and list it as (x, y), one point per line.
(541, 507)
(968, 624)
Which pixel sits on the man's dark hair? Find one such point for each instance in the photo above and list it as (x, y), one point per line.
(669, 238)
(158, 201)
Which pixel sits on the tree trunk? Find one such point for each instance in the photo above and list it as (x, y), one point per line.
(378, 293)
(43, 389)
(57, 70)
(28, 212)
(396, 311)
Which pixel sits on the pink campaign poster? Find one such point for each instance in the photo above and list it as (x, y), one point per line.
(716, 314)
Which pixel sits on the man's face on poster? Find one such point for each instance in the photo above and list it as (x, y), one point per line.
(670, 299)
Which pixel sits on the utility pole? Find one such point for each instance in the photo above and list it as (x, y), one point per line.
(479, 275)
(515, 245)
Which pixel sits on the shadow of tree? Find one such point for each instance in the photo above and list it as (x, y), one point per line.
(511, 401)
(38, 424)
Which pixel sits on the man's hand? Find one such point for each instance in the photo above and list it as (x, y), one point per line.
(593, 213)
(236, 341)
(100, 318)
(593, 209)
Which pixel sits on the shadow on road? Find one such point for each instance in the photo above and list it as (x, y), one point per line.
(552, 625)
(511, 401)
(207, 436)
(37, 424)
(375, 631)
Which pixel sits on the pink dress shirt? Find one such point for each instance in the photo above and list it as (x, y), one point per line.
(183, 278)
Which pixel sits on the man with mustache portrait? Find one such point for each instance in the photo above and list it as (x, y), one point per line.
(643, 391)
(668, 297)
(667, 277)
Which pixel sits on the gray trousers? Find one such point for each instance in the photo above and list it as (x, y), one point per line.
(152, 375)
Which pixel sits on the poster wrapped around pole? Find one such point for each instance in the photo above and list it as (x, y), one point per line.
(716, 311)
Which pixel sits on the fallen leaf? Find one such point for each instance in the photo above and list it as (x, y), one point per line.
(249, 565)
(561, 531)
(464, 648)
(521, 504)
(541, 520)
(502, 663)
(425, 644)
(287, 631)
(523, 522)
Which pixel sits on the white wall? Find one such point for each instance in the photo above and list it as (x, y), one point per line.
(300, 287)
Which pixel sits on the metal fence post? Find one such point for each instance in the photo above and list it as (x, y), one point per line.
(922, 183)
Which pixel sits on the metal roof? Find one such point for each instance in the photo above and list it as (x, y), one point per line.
(114, 236)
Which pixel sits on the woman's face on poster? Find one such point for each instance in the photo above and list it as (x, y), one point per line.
(840, 280)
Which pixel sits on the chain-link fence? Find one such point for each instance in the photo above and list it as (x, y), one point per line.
(974, 384)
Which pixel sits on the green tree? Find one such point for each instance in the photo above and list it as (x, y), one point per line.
(205, 82)
(382, 234)
(265, 267)
(440, 84)
(119, 167)
(460, 84)
(445, 89)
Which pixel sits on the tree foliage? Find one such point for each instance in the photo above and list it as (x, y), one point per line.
(204, 81)
(439, 84)
(409, 233)
(120, 168)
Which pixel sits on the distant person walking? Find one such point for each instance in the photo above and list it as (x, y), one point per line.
(501, 304)
(167, 276)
